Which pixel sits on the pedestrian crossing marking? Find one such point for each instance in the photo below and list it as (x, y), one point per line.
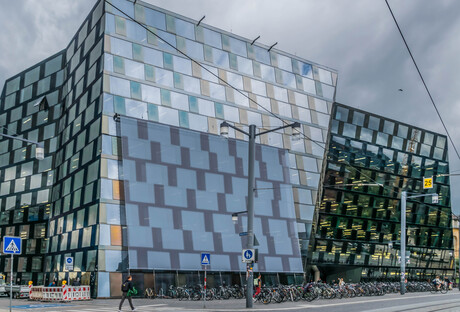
(12, 247)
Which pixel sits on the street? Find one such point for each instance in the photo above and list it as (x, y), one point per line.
(420, 302)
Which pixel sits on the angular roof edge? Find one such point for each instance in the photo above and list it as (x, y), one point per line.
(386, 118)
(232, 34)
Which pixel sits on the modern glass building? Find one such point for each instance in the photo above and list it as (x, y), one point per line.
(370, 161)
(136, 177)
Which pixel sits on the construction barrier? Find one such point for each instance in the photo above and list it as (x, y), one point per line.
(64, 293)
(36, 293)
(52, 293)
(77, 293)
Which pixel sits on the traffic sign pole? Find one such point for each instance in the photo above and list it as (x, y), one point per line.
(11, 245)
(205, 260)
(204, 305)
(11, 283)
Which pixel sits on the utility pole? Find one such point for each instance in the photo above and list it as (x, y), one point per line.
(403, 242)
(224, 126)
(250, 244)
(402, 251)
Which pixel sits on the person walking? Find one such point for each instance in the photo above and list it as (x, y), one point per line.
(258, 284)
(127, 289)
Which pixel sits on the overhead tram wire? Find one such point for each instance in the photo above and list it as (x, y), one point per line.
(236, 89)
(423, 80)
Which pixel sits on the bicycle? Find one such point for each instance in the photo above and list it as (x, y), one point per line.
(441, 288)
(149, 293)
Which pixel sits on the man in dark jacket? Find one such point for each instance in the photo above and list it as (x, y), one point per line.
(125, 288)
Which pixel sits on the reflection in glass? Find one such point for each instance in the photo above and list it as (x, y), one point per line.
(185, 29)
(374, 123)
(244, 65)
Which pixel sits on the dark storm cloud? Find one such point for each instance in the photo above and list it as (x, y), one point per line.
(356, 37)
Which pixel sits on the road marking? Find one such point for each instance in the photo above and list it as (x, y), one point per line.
(92, 309)
(370, 300)
(154, 305)
(420, 306)
(301, 306)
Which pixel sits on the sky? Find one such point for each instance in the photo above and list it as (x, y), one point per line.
(358, 38)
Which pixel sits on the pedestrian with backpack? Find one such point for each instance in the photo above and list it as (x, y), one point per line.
(128, 290)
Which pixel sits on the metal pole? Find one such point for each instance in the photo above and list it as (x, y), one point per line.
(403, 242)
(11, 283)
(250, 244)
(204, 304)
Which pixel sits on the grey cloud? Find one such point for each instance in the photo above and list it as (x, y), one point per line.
(34, 30)
(356, 37)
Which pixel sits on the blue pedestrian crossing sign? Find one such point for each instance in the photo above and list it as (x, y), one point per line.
(248, 255)
(12, 245)
(205, 259)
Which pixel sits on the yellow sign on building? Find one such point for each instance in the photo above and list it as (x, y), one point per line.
(428, 183)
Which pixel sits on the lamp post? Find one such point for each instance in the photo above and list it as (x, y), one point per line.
(404, 198)
(458, 248)
(40, 155)
(39, 147)
(252, 143)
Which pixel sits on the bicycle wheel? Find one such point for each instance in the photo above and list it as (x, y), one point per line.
(266, 298)
(309, 296)
(444, 290)
(196, 295)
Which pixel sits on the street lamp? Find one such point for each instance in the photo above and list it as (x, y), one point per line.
(404, 199)
(224, 127)
(40, 151)
(39, 147)
(458, 247)
(235, 216)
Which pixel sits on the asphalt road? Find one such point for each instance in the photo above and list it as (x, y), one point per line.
(419, 302)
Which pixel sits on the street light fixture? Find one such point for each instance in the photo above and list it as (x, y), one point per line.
(235, 216)
(224, 128)
(40, 151)
(296, 131)
(39, 147)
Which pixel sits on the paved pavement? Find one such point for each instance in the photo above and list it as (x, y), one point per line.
(419, 302)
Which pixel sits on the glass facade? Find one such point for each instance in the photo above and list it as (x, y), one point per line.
(357, 219)
(146, 78)
(181, 188)
(53, 203)
(128, 59)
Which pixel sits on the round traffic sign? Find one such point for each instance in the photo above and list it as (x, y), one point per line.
(248, 254)
(69, 260)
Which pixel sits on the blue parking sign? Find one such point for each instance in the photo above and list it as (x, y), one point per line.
(12, 245)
